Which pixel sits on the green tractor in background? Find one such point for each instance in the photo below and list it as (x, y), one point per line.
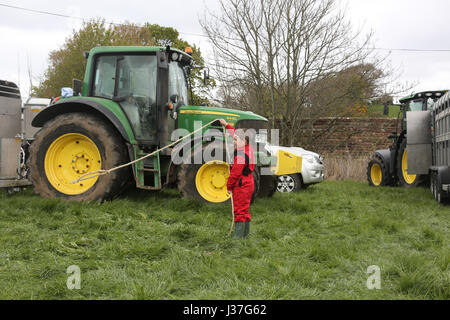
(129, 104)
(389, 167)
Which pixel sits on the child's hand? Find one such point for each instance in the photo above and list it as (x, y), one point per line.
(223, 122)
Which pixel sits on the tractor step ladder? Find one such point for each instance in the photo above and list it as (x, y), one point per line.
(141, 169)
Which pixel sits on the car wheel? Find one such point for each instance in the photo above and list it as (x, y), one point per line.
(289, 183)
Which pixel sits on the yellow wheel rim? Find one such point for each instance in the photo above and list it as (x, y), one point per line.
(69, 157)
(409, 178)
(376, 175)
(211, 181)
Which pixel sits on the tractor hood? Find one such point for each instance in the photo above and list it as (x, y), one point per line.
(237, 118)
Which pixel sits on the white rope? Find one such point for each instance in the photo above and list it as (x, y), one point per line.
(230, 192)
(94, 174)
(99, 173)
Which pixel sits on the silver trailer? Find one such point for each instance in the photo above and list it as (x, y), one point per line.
(16, 133)
(10, 135)
(429, 146)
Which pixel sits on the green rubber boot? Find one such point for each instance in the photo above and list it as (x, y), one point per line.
(247, 229)
(239, 230)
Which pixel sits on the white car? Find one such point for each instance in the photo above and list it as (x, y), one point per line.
(312, 169)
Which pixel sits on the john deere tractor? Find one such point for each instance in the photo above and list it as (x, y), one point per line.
(390, 167)
(129, 104)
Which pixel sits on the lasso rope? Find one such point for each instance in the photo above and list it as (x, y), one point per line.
(94, 174)
(230, 192)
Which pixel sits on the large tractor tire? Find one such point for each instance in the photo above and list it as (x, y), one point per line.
(71, 145)
(267, 186)
(407, 180)
(207, 182)
(377, 173)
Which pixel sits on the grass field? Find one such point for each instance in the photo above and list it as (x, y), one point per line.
(376, 111)
(317, 244)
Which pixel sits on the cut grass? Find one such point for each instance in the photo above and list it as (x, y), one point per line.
(315, 244)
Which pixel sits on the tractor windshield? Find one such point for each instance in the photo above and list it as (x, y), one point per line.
(178, 83)
(415, 105)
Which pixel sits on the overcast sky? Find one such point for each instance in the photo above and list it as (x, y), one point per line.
(27, 38)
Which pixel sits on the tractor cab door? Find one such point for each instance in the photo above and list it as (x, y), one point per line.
(178, 89)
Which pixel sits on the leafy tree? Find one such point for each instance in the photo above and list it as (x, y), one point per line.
(68, 62)
(345, 93)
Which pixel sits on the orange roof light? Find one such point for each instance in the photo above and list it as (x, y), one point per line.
(188, 50)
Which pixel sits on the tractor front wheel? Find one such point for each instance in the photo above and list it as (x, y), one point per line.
(70, 146)
(377, 173)
(207, 182)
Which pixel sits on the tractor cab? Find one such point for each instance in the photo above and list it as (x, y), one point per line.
(147, 83)
(421, 101)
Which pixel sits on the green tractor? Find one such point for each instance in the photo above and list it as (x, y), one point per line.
(390, 167)
(130, 103)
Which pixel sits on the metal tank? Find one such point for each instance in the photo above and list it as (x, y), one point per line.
(30, 110)
(10, 135)
(10, 110)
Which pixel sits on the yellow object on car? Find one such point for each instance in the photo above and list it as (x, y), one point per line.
(287, 163)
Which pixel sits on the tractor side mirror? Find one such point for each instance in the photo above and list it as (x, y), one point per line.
(77, 85)
(174, 99)
(205, 76)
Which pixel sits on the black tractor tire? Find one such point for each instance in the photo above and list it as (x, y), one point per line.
(268, 186)
(377, 163)
(111, 147)
(289, 183)
(257, 183)
(187, 175)
(420, 179)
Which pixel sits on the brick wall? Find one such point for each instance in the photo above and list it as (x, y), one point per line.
(346, 136)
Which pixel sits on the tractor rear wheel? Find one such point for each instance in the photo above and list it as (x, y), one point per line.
(407, 180)
(377, 173)
(74, 144)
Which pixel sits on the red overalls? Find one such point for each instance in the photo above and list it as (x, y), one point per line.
(241, 181)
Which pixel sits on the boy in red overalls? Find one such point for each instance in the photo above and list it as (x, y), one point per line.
(240, 181)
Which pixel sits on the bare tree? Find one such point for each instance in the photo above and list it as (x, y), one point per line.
(275, 51)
